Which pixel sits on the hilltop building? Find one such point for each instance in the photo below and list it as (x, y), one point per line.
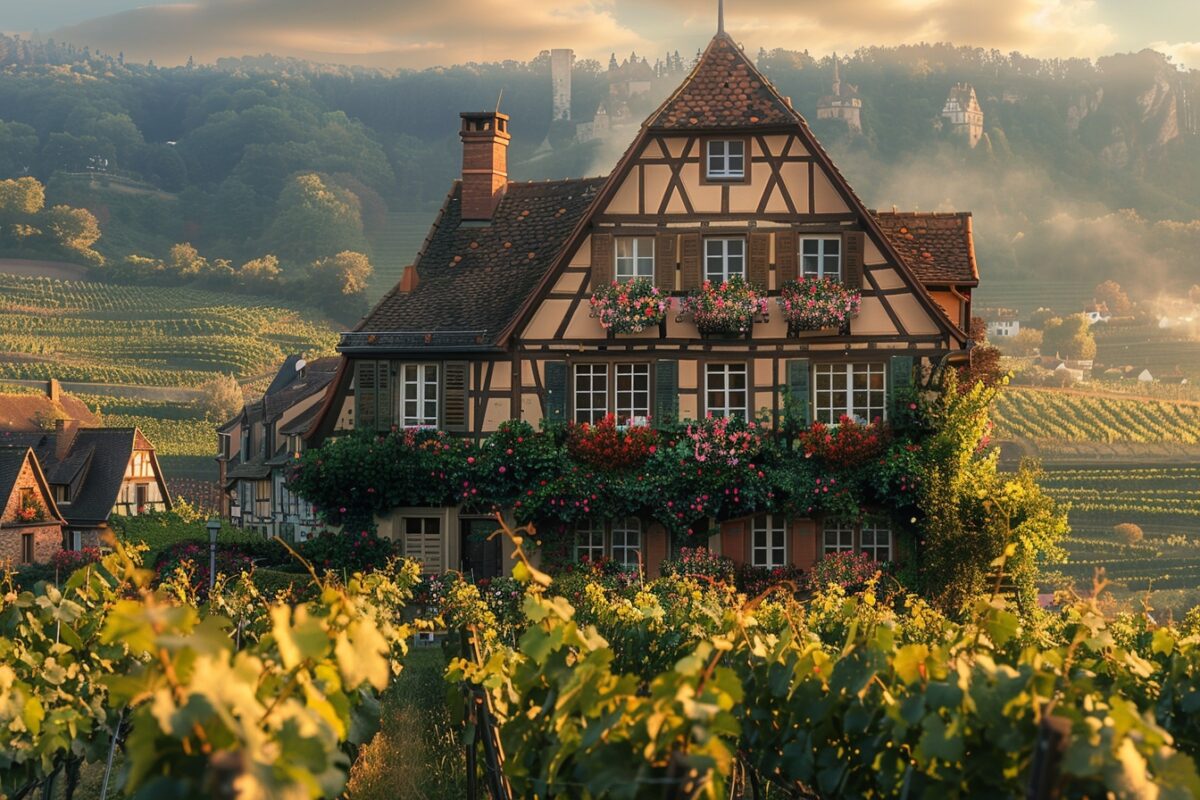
(256, 446)
(492, 321)
(1002, 323)
(842, 102)
(963, 113)
(562, 61)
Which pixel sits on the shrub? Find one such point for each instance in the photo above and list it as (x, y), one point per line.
(605, 446)
(702, 562)
(846, 569)
(347, 551)
(1129, 533)
(67, 561)
(850, 444)
(755, 580)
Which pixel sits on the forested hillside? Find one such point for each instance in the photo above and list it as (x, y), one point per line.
(1085, 168)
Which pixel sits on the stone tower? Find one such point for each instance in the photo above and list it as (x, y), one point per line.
(841, 103)
(561, 62)
(963, 113)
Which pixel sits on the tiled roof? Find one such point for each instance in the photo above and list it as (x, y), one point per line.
(282, 395)
(724, 90)
(938, 247)
(11, 461)
(21, 412)
(474, 278)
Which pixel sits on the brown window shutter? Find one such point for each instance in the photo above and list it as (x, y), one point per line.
(664, 261)
(454, 396)
(785, 256)
(689, 260)
(366, 396)
(760, 257)
(602, 260)
(733, 540)
(852, 259)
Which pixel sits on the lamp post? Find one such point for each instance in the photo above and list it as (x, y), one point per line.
(214, 527)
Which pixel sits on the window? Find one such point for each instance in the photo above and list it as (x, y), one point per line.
(244, 451)
(839, 536)
(626, 540)
(724, 258)
(767, 542)
(633, 393)
(419, 396)
(726, 390)
(726, 159)
(423, 542)
(62, 493)
(589, 541)
(853, 390)
(635, 258)
(876, 541)
(26, 548)
(874, 538)
(142, 493)
(76, 539)
(591, 392)
(821, 258)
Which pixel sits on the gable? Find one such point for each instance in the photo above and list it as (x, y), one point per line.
(19, 474)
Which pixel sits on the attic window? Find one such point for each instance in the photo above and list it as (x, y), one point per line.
(726, 159)
(62, 493)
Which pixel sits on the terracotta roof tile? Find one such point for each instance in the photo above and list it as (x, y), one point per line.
(723, 90)
(938, 247)
(21, 412)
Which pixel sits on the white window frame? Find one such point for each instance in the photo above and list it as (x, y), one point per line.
(817, 264)
(881, 540)
(590, 392)
(589, 540)
(768, 541)
(719, 250)
(632, 403)
(634, 258)
(626, 540)
(725, 159)
(827, 408)
(421, 410)
(837, 536)
(726, 407)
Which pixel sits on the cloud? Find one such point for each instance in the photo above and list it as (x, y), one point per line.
(1183, 54)
(404, 33)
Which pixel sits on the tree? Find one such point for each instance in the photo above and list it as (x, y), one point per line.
(1069, 338)
(223, 398)
(21, 197)
(339, 283)
(1111, 294)
(1027, 342)
(18, 149)
(75, 230)
(315, 219)
(1129, 533)
(1039, 318)
(260, 271)
(185, 261)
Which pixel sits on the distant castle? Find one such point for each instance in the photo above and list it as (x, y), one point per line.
(562, 61)
(841, 103)
(626, 80)
(963, 112)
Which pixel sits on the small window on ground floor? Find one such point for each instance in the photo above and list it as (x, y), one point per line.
(26, 548)
(767, 546)
(873, 537)
(422, 542)
(619, 540)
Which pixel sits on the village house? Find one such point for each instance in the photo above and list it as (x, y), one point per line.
(724, 179)
(963, 113)
(1002, 323)
(1097, 312)
(255, 448)
(31, 527)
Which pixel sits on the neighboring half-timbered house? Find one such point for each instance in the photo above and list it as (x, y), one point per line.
(724, 179)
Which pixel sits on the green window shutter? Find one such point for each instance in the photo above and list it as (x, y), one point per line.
(900, 382)
(798, 391)
(454, 396)
(385, 408)
(366, 396)
(666, 392)
(555, 403)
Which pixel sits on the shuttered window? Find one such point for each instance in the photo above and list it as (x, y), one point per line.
(635, 258)
(821, 258)
(724, 258)
(454, 396)
(768, 535)
(591, 392)
(632, 393)
(423, 542)
(419, 396)
(727, 390)
(857, 391)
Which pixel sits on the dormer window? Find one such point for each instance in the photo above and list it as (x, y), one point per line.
(726, 159)
(635, 258)
(821, 258)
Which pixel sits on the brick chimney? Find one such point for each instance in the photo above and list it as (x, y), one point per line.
(409, 280)
(54, 390)
(485, 162)
(65, 430)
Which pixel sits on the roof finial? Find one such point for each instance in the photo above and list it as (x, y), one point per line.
(720, 16)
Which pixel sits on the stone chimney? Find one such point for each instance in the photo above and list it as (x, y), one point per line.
(485, 162)
(65, 430)
(409, 280)
(54, 390)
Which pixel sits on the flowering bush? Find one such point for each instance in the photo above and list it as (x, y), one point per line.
(630, 307)
(850, 444)
(189, 559)
(504, 596)
(811, 304)
(67, 561)
(726, 308)
(755, 580)
(347, 551)
(31, 510)
(724, 440)
(604, 446)
(701, 561)
(846, 569)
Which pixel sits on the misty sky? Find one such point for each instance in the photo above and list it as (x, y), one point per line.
(412, 33)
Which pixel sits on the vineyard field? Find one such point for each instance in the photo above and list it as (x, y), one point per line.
(156, 336)
(1048, 416)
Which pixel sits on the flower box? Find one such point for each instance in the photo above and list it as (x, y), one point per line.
(726, 310)
(630, 307)
(817, 306)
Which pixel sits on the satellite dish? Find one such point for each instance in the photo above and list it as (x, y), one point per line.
(300, 365)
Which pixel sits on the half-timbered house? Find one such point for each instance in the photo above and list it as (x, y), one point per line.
(492, 322)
